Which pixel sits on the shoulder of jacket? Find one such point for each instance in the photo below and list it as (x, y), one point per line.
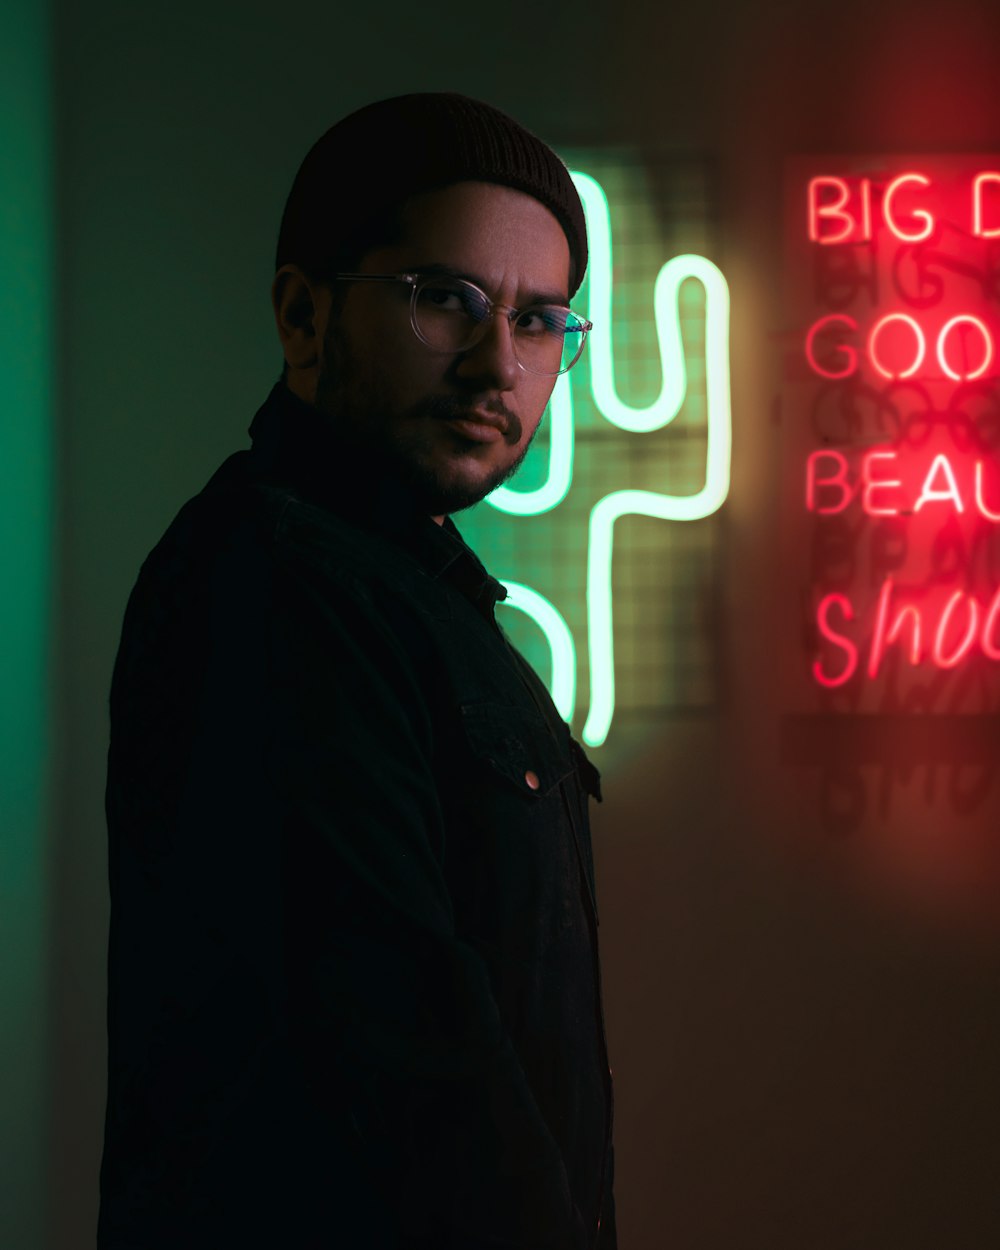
(251, 530)
(311, 536)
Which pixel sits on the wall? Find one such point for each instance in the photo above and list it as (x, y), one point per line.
(803, 1025)
(26, 507)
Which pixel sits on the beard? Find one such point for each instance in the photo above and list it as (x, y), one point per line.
(407, 450)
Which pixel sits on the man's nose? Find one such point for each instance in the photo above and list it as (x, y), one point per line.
(491, 360)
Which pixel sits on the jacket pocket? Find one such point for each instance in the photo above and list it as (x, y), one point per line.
(518, 746)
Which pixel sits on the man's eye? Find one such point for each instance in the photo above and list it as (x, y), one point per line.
(442, 297)
(542, 321)
(446, 298)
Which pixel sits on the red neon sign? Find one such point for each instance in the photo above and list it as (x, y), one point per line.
(919, 214)
(920, 344)
(830, 487)
(839, 210)
(963, 622)
(987, 341)
(901, 482)
(908, 352)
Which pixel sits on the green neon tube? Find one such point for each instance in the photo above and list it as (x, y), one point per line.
(560, 640)
(668, 403)
(600, 622)
(639, 420)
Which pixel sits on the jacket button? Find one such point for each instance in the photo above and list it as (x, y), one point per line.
(532, 780)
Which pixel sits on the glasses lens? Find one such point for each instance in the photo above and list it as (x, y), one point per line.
(548, 338)
(447, 313)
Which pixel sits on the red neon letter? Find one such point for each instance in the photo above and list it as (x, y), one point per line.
(872, 484)
(962, 649)
(980, 502)
(922, 213)
(866, 209)
(987, 347)
(977, 206)
(877, 329)
(849, 649)
(834, 210)
(933, 494)
(884, 636)
(849, 352)
(838, 479)
(990, 650)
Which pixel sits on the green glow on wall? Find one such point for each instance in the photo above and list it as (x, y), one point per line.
(25, 571)
(604, 397)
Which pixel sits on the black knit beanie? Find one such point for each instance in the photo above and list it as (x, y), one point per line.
(365, 166)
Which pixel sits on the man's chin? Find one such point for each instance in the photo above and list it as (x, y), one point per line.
(438, 492)
(438, 499)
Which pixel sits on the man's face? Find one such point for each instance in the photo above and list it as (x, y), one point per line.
(450, 426)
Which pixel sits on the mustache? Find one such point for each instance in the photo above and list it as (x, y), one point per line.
(451, 408)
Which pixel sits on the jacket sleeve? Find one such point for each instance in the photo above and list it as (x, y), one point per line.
(392, 1012)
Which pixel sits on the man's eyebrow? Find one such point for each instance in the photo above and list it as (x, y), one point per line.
(534, 297)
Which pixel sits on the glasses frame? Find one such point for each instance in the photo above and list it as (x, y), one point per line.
(416, 280)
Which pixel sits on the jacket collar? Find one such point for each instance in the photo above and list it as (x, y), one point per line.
(296, 445)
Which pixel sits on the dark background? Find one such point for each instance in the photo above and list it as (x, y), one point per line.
(804, 1023)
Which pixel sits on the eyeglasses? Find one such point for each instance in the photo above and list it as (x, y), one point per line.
(452, 315)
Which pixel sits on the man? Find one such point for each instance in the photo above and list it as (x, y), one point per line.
(354, 988)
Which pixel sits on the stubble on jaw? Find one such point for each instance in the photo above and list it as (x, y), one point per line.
(351, 401)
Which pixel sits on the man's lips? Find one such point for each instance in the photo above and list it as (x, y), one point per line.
(476, 430)
(478, 424)
(476, 419)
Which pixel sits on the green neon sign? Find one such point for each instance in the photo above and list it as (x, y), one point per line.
(633, 418)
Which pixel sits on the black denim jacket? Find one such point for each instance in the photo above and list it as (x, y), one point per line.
(354, 991)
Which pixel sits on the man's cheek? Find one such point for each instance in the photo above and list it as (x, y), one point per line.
(533, 427)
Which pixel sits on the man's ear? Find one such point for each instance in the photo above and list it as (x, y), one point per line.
(301, 307)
